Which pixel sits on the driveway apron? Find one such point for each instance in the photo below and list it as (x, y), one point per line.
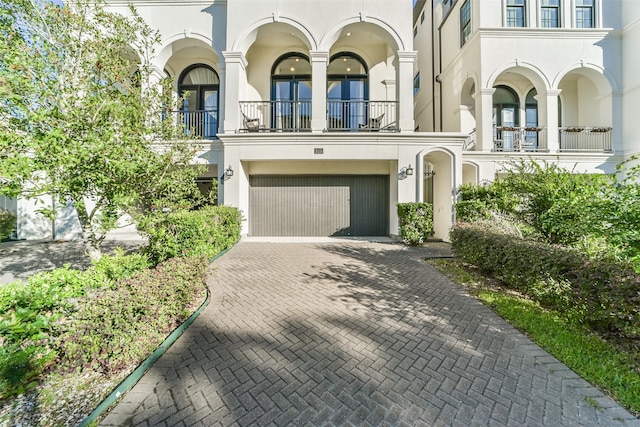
(354, 333)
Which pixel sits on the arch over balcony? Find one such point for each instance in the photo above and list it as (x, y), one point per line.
(586, 118)
(179, 52)
(285, 32)
(520, 105)
(354, 26)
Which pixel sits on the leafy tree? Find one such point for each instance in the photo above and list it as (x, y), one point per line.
(81, 114)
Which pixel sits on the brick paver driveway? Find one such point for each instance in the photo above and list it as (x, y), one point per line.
(354, 333)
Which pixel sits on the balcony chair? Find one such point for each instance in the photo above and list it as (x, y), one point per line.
(252, 125)
(373, 125)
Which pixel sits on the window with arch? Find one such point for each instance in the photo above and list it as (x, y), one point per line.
(506, 117)
(347, 91)
(291, 92)
(199, 86)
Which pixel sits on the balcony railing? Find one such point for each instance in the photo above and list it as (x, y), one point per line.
(507, 138)
(362, 116)
(197, 123)
(581, 138)
(275, 116)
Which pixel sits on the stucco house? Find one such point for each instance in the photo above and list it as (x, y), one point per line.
(319, 116)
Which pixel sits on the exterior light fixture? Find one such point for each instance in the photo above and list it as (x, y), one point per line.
(228, 173)
(406, 171)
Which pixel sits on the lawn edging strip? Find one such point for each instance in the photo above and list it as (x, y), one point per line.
(135, 376)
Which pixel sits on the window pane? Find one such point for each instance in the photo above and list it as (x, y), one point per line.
(549, 18)
(584, 17)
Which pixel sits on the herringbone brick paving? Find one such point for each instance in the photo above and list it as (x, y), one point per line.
(355, 333)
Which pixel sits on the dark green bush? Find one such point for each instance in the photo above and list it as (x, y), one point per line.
(603, 293)
(207, 231)
(115, 328)
(7, 223)
(416, 222)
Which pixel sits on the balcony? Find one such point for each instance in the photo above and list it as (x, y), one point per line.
(581, 138)
(275, 116)
(197, 123)
(510, 139)
(362, 116)
(295, 116)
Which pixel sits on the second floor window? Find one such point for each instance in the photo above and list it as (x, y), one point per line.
(465, 22)
(516, 13)
(585, 13)
(550, 14)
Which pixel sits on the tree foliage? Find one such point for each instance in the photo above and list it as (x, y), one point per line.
(81, 114)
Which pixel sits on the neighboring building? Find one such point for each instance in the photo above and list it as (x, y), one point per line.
(319, 116)
(553, 80)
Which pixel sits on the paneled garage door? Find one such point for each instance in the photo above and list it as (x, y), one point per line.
(345, 205)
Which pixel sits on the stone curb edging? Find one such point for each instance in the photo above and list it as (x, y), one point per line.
(135, 376)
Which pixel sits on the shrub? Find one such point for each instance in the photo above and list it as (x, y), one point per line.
(116, 328)
(29, 311)
(207, 231)
(604, 293)
(120, 265)
(7, 223)
(416, 222)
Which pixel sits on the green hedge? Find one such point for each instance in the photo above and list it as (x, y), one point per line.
(116, 327)
(207, 231)
(602, 293)
(416, 222)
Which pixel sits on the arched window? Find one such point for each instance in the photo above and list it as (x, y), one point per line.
(347, 92)
(291, 92)
(199, 85)
(506, 117)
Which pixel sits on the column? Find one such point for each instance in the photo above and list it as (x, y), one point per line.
(550, 113)
(235, 65)
(319, 63)
(405, 90)
(484, 120)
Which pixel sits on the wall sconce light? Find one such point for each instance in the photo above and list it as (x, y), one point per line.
(228, 173)
(429, 174)
(406, 171)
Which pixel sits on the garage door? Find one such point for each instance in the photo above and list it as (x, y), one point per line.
(349, 205)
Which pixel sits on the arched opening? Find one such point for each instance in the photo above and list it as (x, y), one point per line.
(587, 111)
(198, 86)
(506, 117)
(531, 130)
(348, 92)
(291, 92)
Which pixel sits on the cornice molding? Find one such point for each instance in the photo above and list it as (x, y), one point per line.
(546, 33)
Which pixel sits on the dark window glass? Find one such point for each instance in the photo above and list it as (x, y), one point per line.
(585, 13)
(550, 14)
(515, 13)
(465, 22)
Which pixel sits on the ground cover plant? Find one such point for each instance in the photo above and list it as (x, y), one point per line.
(68, 337)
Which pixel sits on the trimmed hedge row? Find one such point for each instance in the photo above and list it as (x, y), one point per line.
(416, 222)
(114, 328)
(207, 231)
(604, 294)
